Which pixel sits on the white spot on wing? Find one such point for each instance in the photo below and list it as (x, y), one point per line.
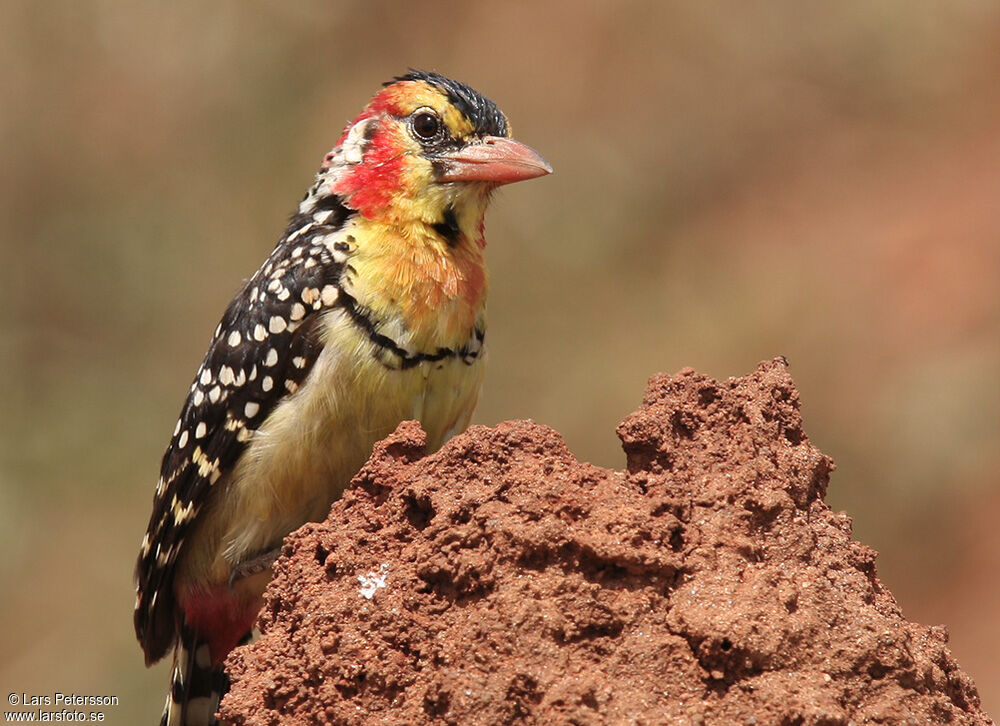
(277, 324)
(299, 231)
(329, 294)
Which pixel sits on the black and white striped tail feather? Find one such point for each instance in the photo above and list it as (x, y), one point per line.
(196, 687)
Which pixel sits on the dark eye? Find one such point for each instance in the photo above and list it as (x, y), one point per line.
(425, 125)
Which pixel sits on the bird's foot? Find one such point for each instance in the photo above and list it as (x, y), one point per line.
(254, 565)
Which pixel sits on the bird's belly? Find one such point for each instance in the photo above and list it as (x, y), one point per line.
(307, 451)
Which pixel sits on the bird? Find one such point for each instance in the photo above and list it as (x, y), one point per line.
(369, 311)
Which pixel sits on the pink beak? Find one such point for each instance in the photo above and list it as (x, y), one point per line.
(495, 159)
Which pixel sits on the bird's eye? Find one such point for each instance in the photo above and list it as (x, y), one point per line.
(425, 125)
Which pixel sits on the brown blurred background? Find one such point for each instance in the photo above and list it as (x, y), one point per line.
(817, 182)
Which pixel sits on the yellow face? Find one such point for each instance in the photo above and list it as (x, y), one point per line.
(418, 166)
(428, 149)
(396, 151)
(404, 99)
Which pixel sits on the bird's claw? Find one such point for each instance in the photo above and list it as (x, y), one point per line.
(254, 565)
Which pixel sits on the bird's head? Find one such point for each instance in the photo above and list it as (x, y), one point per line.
(427, 150)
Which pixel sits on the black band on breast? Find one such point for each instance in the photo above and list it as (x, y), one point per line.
(392, 355)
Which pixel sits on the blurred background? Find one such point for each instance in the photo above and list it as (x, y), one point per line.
(733, 184)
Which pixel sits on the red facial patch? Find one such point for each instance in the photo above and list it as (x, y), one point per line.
(371, 185)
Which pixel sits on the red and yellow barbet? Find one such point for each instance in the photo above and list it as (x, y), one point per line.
(371, 310)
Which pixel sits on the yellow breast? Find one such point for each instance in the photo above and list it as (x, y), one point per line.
(305, 454)
(424, 297)
(431, 294)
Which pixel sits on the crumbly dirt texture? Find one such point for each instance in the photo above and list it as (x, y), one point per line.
(501, 581)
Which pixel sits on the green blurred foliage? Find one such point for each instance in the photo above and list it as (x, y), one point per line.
(733, 182)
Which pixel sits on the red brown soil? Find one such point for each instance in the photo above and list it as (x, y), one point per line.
(707, 583)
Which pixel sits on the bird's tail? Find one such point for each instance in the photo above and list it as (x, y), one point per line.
(196, 686)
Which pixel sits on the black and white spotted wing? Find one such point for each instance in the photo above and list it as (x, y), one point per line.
(261, 352)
